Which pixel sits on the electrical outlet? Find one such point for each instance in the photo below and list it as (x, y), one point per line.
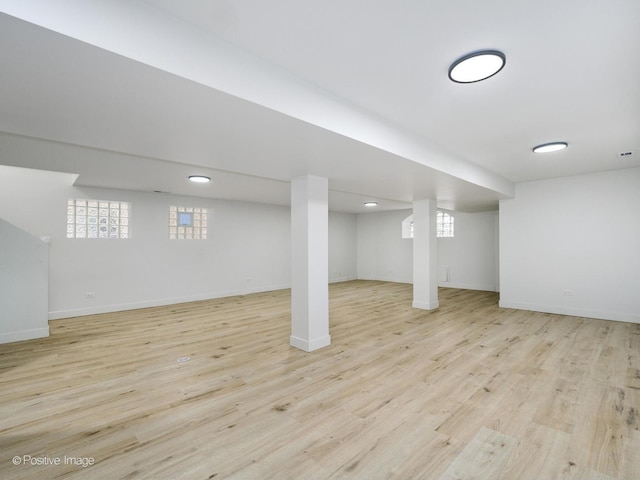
(90, 295)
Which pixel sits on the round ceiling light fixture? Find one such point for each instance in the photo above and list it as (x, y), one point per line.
(199, 179)
(370, 204)
(550, 147)
(477, 66)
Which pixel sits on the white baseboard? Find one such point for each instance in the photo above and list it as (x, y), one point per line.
(468, 286)
(310, 345)
(78, 312)
(342, 279)
(574, 312)
(24, 335)
(425, 305)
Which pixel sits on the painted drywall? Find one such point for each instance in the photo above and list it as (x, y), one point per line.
(248, 249)
(382, 252)
(23, 285)
(572, 246)
(470, 257)
(343, 265)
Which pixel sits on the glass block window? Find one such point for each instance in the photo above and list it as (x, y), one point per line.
(407, 227)
(444, 224)
(98, 219)
(187, 223)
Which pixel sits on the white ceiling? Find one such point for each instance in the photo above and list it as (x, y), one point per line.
(138, 95)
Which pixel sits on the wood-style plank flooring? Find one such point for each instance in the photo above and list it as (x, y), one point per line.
(467, 391)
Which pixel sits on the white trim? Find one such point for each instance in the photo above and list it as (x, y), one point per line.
(78, 312)
(24, 335)
(343, 279)
(575, 312)
(468, 286)
(425, 306)
(310, 345)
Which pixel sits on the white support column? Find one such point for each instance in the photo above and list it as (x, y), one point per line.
(309, 263)
(425, 255)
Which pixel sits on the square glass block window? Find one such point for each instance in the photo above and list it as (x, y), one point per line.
(444, 224)
(98, 219)
(187, 223)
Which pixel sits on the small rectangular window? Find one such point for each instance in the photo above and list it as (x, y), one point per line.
(98, 219)
(187, 223)
(444, 224)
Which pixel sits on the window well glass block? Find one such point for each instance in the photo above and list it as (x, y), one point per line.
(185, 223)
(91, 219)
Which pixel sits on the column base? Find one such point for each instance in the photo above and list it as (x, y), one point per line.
(310, 345)
(425, 305)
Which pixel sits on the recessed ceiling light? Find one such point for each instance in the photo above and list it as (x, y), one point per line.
(199, 179)
(370, 204)
(550, 147)
(477, 66)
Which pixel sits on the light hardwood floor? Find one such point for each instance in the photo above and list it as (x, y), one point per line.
(468, 391)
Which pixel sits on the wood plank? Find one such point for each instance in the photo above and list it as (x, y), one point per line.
(400, 392)
(483, 458)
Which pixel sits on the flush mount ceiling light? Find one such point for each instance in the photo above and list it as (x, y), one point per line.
(370, 204)
(477, 66)
(199, 179)
(550, 147)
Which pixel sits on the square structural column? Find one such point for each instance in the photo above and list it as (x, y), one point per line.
(309, 263)
(425, 255)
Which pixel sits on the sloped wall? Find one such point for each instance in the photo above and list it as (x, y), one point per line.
(24, 285)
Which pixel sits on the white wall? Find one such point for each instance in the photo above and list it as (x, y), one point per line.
(248, 248)
(343, 264)
(23, 285)
(471, 256)
(572, 246)
(382, 252)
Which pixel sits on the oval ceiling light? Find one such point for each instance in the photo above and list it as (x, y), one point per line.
(550, 147)
(370, 204)
(199, 179)
(477, 66)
